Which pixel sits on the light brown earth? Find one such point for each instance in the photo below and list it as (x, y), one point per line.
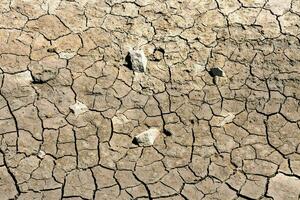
(70, 105)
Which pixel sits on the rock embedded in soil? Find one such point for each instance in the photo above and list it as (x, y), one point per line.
(147, 138)
(43, 76)
(228, 118)
(218, 74)
(78, 108)
(41, 154)
(137, 60)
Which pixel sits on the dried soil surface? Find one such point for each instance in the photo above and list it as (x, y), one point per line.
(212, 88)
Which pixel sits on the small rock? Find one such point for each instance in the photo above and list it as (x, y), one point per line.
(228, 119)
(44, 75)
(219, 77)
(67, 55)
(217, 72)
(220, 81)
(223, 118)
(137, 60)
(78, 108)
(41, 154)
(146, 138)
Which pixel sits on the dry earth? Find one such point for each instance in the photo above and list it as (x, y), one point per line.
(221, 90)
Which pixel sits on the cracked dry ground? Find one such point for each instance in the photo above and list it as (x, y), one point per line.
(236, 136)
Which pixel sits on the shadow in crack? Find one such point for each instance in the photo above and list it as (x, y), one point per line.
(128, 63)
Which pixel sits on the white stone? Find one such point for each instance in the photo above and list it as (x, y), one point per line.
(138, 60)
(78, 108)
(41, 154)
(67, 55)
(148, 137)
(228, 119)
